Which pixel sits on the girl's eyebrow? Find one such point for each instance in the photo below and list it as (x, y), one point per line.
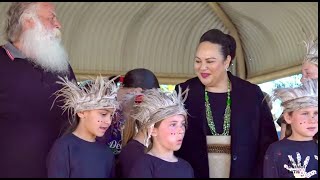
(105, 110)
(173, 121)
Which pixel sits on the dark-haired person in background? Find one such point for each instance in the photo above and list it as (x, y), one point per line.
(230, 125)
(134, 81)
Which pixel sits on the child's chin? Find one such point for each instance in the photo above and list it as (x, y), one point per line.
(99, 134)
(177, 148)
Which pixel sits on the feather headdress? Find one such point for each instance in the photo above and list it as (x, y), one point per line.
(297, 98)
(96, 94)
(154, 105)
(312, 52)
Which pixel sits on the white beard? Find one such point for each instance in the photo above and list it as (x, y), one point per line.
(44, 48)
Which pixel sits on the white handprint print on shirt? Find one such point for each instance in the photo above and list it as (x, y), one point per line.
(298, 170)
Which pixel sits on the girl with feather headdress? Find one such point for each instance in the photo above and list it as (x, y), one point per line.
(309, 70)
(297, 154)
(162, 116)
(77, 154)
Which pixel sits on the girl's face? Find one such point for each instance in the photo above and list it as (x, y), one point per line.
(210, 65)
(309, 71)
(170, 133)
(96, 122)
(304, 123)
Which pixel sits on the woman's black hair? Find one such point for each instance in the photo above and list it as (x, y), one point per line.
(227, 42)
(137, 78)
(140, 78)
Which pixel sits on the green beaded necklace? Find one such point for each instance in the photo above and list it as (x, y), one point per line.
(226, 118)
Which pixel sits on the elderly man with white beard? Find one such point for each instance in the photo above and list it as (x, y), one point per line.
(30, 64)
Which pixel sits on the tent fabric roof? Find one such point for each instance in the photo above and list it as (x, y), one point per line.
(111, 38)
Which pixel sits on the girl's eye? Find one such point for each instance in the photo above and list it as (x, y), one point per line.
(104, 114)
(172, 125)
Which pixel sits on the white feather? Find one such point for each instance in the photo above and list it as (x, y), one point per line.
(299, 97)
(98, 93)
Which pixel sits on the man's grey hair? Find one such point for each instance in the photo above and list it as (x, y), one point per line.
(16, 13)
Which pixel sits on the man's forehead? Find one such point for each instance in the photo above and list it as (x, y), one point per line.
(47, 7)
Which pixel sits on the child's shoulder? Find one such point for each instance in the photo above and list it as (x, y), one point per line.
(68, 136)
(106, 149)
(278, 146)
(62, 144)
(287, 145)
(184, 162)
(64, 139)
(148, 159)
(144, 161)
(280, 142)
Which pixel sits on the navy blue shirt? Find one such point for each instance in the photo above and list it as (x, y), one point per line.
(128, 156)
(72, 157)
(149, 166)
(29, 121)
(291, 153)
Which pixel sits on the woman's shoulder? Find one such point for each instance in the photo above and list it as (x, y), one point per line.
(241, 82)
(190, 82)
(194, 85)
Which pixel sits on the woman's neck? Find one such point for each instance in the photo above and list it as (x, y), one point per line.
(83, 133)
(220, 86)
(163, 153)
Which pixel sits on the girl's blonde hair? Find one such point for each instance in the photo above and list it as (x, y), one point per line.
(131, 127)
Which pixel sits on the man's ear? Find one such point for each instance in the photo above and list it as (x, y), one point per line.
(27, 22)
(287, 118)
